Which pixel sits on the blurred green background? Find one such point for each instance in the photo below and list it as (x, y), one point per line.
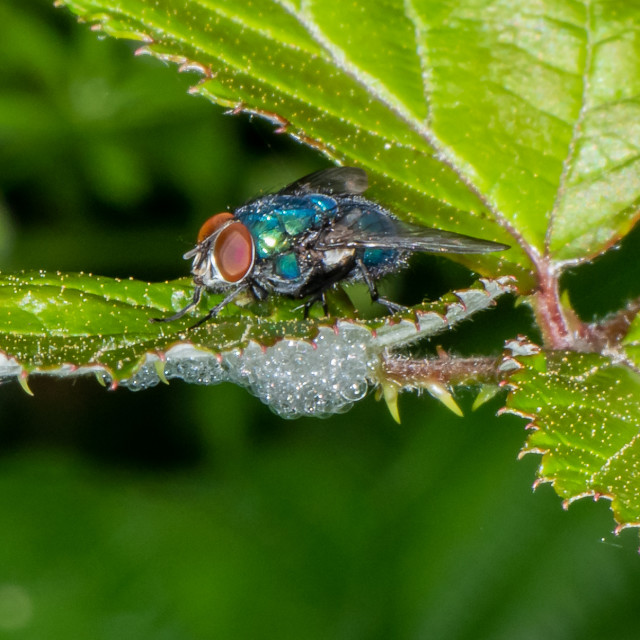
(186, 512)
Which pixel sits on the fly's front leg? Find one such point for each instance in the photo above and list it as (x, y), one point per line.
(197, 295)
(393, 307)
(219, 307)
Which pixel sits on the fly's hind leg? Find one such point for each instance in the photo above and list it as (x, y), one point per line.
(393, 307)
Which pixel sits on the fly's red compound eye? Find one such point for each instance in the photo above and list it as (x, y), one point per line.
(233, 252)
(213, 223)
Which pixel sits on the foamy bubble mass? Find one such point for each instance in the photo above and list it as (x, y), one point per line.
(293, 377)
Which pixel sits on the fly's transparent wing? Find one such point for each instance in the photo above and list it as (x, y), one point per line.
(336, 180)
(377, 229)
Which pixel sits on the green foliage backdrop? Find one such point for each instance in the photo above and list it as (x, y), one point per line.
(190, 512)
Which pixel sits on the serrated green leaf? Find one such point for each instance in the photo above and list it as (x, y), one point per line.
(585, 422)
(507, 120)
(73, 324)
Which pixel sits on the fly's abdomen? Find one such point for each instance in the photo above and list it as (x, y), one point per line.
(363, 216)
(382, 259)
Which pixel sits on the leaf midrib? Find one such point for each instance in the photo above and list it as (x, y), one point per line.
(567, 164)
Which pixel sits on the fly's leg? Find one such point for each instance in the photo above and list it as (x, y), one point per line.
(221, 305)
(311, 301)
(197, 295)
(393, 307)
(258, 291)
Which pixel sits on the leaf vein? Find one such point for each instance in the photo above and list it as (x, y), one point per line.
(267, 33)
(441, 151)
(618, 454)
(420, 31)
(338, 55)
(577, 127)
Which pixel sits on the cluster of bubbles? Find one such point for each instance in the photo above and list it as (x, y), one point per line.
(293, 377)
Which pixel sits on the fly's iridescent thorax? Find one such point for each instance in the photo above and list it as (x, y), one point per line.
(280, 225)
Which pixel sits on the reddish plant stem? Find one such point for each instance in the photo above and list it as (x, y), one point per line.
(445, 370)
(550, 315)
(610, 331)
(562, 329)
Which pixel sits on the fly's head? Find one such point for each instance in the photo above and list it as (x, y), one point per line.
(224, 255)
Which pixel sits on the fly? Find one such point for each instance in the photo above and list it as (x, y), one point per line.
(306, 238)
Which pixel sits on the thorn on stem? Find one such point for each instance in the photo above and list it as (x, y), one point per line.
(24, 383)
